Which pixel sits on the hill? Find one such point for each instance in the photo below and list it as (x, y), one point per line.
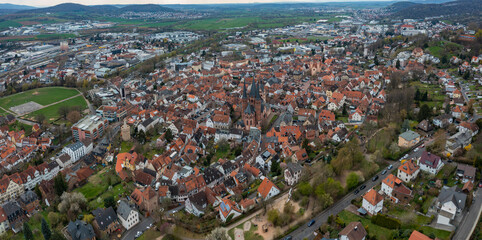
(418, 11)
(145, 8)
(100, 9)
(14, 6)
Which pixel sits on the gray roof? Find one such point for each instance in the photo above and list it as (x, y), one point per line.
(80, 230)
(409, 135)
(450, 195)
(105, 217)
(294, 167)
(75, 146)
(123, 210)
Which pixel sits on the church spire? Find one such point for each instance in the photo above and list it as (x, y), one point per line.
(244, 90)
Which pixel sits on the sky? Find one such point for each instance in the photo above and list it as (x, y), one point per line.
(46, 3)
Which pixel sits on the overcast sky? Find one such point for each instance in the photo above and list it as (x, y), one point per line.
(45, 3)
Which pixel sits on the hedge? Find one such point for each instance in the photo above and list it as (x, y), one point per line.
(386, 222)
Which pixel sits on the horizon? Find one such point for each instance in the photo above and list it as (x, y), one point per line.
(50, 3)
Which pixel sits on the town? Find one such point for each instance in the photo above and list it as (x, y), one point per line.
(342, 128)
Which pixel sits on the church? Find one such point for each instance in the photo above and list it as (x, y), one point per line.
(253, 109)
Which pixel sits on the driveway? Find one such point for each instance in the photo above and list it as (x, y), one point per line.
(141, 226)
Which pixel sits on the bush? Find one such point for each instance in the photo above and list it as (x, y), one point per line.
(386, 222)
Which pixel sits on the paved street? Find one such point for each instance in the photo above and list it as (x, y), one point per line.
(141, 226)
(307, 232)
(467, 226)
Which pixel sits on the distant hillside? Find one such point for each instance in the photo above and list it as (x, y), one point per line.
(101, 9)
(14, 6)
(146, 8)
(417, 11)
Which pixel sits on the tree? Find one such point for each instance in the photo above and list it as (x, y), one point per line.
(425, 96)
(40, 118)
(72, 204)
(352, 181)
(37, 191)
(405, 125)
(168, 136)
(376, 61)
(218, 234)
(54, 218)
(60, 186)
(417, 95)
(305, 188)
(63, 111)
(397, 64)
(27, 232)
(88, 218)
(46, 230)
(109, 202)
(73, 117)
(275, 168)
(56, 235)
(424, 113)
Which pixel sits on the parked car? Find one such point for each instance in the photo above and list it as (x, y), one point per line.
(384, 172)
(311, 223)
(375, 178)
(356, 191)
(390, 167)
(363, 187)
(288, 237)
(138, 234)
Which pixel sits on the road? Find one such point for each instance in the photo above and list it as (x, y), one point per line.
(141, 226)
(307, 232)
(467, 226)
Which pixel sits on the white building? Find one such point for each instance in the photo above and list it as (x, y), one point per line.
(127, 215)
(372, 202)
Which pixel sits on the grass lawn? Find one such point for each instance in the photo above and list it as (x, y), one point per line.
(42, 96)
(115, 191)
(17, 126)
(51, 112)
(374, 230)
(150, 234)
(126, 146)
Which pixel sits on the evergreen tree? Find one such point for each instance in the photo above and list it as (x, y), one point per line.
(397, 65)
(447, 108)
(425, 96)
(46, 230)
(27, 232)
(424, 113)
(405, 125)
(417, 95)
(60, 186)
(376, 61)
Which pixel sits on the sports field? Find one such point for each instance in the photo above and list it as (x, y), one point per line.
(42, 96)
(51, 112)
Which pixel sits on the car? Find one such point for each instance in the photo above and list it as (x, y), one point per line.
(415, 150)
(356, 191)
(384, 172)
(311, 223)
(480, 184)
(375, 178)
(363, 187)
(288, 237)
(423, 145)
(406, 156)
(390, 167)
(138, 234)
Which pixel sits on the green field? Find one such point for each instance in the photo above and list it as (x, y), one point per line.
(51, 112)
(7, 24)
(42, 96)
(440, 48)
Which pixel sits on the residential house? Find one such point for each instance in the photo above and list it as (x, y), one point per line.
(127, 215)
(408, 171)
(450, 203)
(372, 202)
(443, 121)
(430, 163)
(459, 140)
(353, 231)
(466, 172)
(396, 190)
(105, 220)
(292, 173)
(4, 225)
(267, 189)
(76, 151)
(416, 235)
(29, 202)
(80, 230)
(196, 204)
(147, 200)
(15, 215)
(228, 210)
(408, 139)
